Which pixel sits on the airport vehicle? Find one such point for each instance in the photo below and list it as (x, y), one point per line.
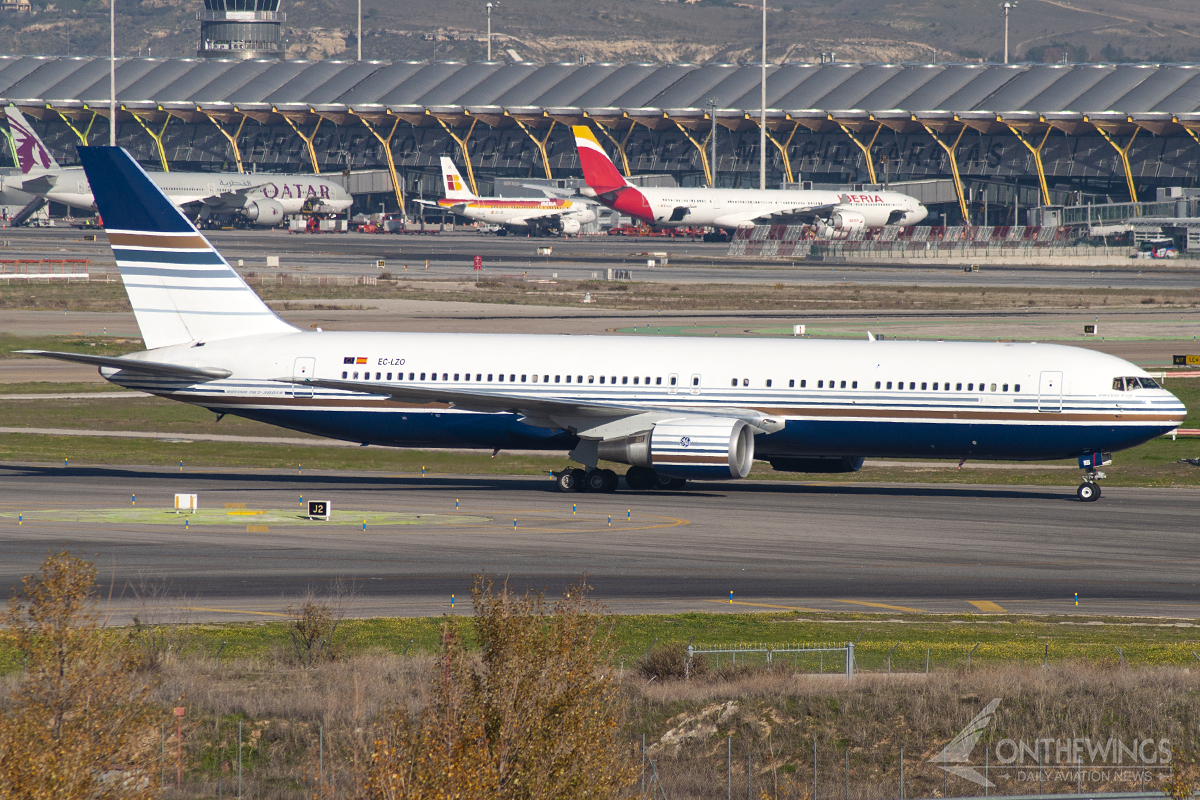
(672, 408)
(730, 209)
(538, 217)
(259, 199)
(1157, 248)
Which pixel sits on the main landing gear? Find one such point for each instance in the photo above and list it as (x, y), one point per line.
(606, 481)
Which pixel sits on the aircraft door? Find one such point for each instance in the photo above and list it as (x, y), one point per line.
(1050, 392)
(695, 384)
(305, 369)
(672, 383)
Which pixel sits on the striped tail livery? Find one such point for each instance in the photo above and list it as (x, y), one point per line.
(181, 289)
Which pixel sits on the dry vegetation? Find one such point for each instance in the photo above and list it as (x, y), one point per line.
(537, 707)
(629, 295)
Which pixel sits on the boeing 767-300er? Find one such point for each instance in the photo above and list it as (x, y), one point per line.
(673, 409)
(730, 209)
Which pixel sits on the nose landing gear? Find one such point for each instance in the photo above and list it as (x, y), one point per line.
(1089, 490)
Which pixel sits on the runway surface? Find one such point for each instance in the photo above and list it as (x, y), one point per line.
(452, 254)
(894, 549)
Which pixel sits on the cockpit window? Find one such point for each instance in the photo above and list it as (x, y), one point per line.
(1131, 383)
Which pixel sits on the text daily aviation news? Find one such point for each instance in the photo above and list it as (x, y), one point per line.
(736, 208)
(260, 198)
(673, 408)
(517, 214)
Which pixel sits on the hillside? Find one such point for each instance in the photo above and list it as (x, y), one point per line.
(629, 30)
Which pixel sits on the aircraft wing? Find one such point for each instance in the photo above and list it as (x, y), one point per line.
(545, 411)
(42, 184)
(136, 365)
(234, 200)
(779, 216)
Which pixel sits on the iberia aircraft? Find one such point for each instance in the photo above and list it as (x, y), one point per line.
(519, 215)
(672, 408)
(730, 209)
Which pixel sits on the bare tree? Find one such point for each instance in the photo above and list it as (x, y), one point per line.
(538, 716)
(81, 717)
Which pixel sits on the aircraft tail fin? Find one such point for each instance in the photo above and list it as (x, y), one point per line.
(181, 289)
(456, 188)
(599, 171)
(31, 151)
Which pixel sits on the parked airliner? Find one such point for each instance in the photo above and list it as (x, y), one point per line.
(672, 408)
(516, 214)
(731, 209)
(261, 199)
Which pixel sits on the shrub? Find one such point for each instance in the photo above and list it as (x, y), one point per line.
(670, 662)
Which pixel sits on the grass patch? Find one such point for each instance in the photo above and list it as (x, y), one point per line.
(48, 387)
(100, 296)
(1003, 639)
(69, 343)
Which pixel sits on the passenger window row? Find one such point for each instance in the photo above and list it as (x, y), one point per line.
(637, 380)
(945, 387)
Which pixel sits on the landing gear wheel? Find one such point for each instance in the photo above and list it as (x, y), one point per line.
(640, 478)
(675, 484)
(595, 481)
(1088, 492)
(611, 481)
(570, 480)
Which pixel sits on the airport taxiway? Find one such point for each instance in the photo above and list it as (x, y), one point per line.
(892, 549)
(451, 255)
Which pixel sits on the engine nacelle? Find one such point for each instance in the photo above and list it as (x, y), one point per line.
(848, 219)
(818, 464)
(696, 448)
(570, 226)
(263, 212)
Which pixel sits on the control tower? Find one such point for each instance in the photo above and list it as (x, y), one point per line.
(240, 29)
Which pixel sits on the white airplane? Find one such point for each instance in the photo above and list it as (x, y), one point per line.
(730, 209)
(519, 215)
(672, 408)
(263, 199)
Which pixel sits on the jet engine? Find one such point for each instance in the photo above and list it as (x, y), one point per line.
(848, 219)
(697, 448)
(570, 226)
(263, 212)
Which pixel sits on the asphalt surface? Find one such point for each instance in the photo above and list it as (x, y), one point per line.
(894, 549)
(452, 255)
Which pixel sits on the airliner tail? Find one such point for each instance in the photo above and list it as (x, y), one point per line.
(31, 151)
(599, 171)
(181, 289)
(456, 188)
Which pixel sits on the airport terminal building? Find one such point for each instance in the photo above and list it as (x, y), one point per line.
(998, 137)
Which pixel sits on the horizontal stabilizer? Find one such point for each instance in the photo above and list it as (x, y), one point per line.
(136, 365)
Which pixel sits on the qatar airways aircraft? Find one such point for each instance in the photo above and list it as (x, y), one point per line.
(519, 215)
(672, 408)
(262, 199)
(731, 209)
